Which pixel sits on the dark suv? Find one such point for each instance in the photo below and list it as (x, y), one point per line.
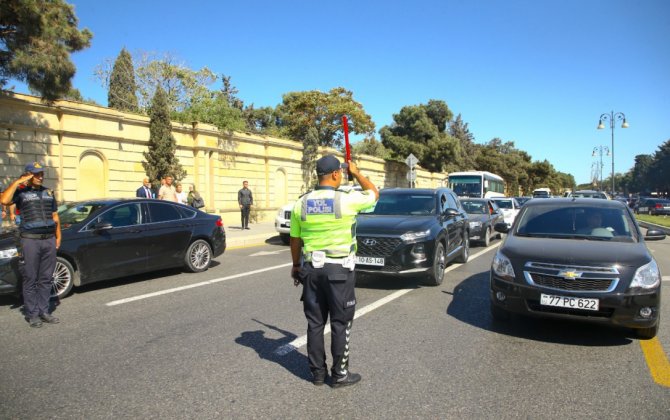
(413, 232)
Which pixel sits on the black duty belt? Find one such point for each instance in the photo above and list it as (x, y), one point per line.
(37, 235)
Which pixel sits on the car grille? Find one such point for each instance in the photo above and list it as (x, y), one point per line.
(571, 278)
(382, 247)
(287, 215)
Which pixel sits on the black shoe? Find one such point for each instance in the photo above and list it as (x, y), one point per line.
(49, 319)
(247, 228)
(319, 380)
(350, 379)
(35, 322)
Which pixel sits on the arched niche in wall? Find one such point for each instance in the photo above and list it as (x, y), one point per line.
(91, 175)
(280, 188)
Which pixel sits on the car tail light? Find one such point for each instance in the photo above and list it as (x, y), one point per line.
(659, 206)
(219, 222)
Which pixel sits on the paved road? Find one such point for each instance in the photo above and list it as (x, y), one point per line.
(208, 345)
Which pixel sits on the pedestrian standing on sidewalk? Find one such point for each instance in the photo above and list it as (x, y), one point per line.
(323, 249)
(40, 238)
(245, 199)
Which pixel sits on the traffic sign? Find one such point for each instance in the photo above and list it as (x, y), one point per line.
(411, 160)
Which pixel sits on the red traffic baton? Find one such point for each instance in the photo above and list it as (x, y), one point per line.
(347, 147)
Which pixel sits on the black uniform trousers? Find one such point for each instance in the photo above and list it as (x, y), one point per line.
(246, 208)
(39, 256)
(328, 291)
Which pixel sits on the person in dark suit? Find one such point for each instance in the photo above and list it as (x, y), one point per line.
(145, 190)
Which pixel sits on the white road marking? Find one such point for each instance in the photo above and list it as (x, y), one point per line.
(190, 286)
(301, 341)
(262, 253)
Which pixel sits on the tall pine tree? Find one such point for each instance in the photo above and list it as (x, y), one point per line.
(311, 148)
(122, 87)
(160, 158)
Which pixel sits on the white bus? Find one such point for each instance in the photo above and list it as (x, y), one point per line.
(479, 184)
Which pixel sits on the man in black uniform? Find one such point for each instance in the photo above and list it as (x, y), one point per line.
(40, 237)
(323, 237)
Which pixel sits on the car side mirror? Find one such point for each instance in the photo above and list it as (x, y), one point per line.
(102, 226)
(501, 227)
(654, 235)
(451, 213)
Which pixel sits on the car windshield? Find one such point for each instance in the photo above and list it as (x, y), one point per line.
(505, 204)
(474, 207)
(583, 222)
(405, 204)
(76, 212)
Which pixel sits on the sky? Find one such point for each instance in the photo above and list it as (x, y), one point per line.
(537, 73)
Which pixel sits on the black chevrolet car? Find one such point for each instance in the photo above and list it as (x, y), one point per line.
(413, 232)
(580, 259)
(112, 238)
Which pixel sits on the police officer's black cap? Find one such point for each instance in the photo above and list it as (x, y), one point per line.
(328, 164)
(34, 168)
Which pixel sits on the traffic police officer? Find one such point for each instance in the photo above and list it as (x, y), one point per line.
(323, 246)
(40, 237)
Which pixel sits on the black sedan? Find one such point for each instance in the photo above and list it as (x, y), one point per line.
(112, 238)
(580, 259)
(413, 232)
(653, 206)
(483, 214)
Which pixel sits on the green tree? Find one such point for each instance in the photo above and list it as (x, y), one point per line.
(36, 40)
(260, 120)
(301, 110)
(161, 160)
(660, 168)
(640, 174)
(122, 88)
(467, 151)
(420, 130)
(371, 147)
(183, 86)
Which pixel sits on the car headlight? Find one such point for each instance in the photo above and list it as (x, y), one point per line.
(9, 253)
(502, 266)
(410, 236)
(647, 277)
(474, 225)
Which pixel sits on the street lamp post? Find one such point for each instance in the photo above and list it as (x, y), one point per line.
(611, 117)
(600, 150)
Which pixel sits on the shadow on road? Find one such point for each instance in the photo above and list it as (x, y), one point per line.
(293, 361)
(470, 304)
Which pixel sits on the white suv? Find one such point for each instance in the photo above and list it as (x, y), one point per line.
(283, 222)
(509, 207)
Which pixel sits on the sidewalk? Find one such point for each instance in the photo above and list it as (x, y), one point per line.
(257, 234)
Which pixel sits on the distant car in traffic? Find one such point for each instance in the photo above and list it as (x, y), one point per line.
(283, 222)
(483, 214)
(111, 238)
(589, 194)
(579, 259)
(509, 208)
(414, 232)
(522, 200)
(653, 206)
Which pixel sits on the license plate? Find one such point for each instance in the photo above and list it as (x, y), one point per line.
(569, 302)
(369, 261)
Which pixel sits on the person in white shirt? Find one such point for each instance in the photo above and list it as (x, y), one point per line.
(182, 197)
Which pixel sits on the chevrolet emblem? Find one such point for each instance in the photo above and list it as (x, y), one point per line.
(570, 274)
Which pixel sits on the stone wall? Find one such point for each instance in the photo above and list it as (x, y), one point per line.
(92, 151)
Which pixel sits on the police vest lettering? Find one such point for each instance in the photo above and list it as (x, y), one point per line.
(320, 206)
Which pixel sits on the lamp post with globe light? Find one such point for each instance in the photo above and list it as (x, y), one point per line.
(611, 116)
(600, 150)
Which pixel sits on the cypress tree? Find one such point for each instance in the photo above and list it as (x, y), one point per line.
(161, 160)
(122, 87)
(309, 156)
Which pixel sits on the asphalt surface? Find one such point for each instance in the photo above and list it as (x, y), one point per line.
(209, 345)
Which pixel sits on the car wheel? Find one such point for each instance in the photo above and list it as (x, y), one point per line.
(198, 256)
(63, 279)
(439, 263)
(499, 314)
(285, 238)
(465, 251)
(487, 237)
(648, 333)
